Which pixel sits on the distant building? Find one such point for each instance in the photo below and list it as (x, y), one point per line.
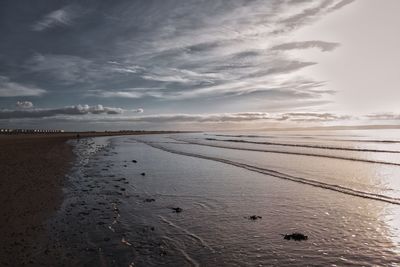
(28, 131)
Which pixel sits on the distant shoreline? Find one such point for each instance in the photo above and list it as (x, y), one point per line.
(33, 167)
(74, 134)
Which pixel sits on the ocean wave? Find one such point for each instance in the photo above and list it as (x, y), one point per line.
(295, 153)
(315, 137)
(280, 175)
(304, 146)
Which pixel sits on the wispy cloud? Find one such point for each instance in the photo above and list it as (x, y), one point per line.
(65, 68)
(69, 110)
(60, 17)
(71, 69)
(181, 76)
(191, 54)
(314, 117)
(341, 4)
(133, 93)
(184, 58)
(123, 68)
(324, 46)
(236, 117)
(384, 116)
(193, 118)
(9, 88)
(69, 114)
(312, 10)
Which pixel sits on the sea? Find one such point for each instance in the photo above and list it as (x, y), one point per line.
(229, 199)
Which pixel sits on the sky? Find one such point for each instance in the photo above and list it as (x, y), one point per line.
(198, 65)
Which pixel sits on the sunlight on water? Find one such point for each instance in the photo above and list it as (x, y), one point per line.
(187, 199)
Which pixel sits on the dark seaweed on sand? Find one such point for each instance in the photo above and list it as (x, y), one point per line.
(295, 236)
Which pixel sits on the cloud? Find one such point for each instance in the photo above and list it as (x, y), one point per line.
(60, 17)
(122, 68)
(193, 118)
(192, 55)
(72, 69)
(24, 104)
(313, 117)
(12, 89)
(69, 110)
(66, 68)
(384, 116)
(324, 46)
(181, 76)
(135, 93)
(261, 82)
(310, 13)
(240, 117)
(173, 54)
(341, 4)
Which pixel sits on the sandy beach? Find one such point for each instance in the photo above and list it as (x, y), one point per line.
(200, 199)
(32, 175)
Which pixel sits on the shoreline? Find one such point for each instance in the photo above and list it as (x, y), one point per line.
(33, 168)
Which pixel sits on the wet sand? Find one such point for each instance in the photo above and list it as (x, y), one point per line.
(165, 201)
(32, 170)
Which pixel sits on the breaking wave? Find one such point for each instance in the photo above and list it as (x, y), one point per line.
(304, 145)
(280, 175)
(294, 153)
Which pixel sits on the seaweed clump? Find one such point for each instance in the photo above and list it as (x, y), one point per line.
(295, 236)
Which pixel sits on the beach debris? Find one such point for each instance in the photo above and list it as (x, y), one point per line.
(147, 228)
(254, 217)
(143, 174)
(134, 161)
(126, 242)
(163, 252)
(149, 200)
(295, 236)
(177, 209)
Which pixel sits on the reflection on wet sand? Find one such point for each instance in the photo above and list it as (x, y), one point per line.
(194, 208)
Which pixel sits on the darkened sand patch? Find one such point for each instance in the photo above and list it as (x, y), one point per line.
(32, 171)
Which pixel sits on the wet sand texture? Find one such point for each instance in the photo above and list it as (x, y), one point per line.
(32, 172)
(32, 169)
